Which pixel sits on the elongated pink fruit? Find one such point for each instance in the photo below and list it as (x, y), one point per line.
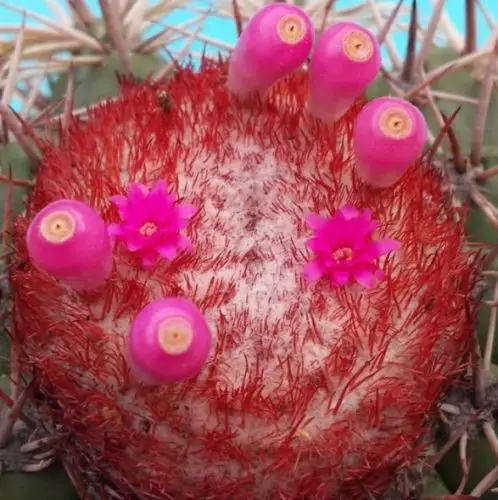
(345, 61)
(389, 136)
(169, 341)
(68, 239)
(275, 42)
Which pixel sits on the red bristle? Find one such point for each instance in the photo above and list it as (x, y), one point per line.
(334, 428)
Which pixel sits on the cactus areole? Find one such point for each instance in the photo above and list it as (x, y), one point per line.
(272, 326)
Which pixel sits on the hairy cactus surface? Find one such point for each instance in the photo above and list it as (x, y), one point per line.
(311, 388)
(246, 281)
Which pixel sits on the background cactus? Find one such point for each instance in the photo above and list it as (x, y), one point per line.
(467, 149)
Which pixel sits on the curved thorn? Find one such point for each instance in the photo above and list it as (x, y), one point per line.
(485, 484)
(442, 132)
(455, 148)
(457, 434)
(14, 413)
(482, 107)
(237, 17)
(470, 27)
(389, 23)
(81, 11)
(115, 31)
(464, 461)
(429, 34)
(409, 64)
(428, 80)
(326, 11)
(69, 98)
(490, 337)
(169, 70)
(487, 174)
(16, 126)
(14, 64)
(66, 31)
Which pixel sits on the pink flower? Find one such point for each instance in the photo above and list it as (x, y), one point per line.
(151, 222)
(344, 248)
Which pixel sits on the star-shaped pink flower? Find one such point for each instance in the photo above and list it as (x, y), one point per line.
(344, 248)
(151, 222)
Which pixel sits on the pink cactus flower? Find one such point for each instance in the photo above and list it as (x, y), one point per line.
(68, 239)
(275, 42)
(151, 222)
(169, 341)
(389, 136)
(344, 248)
(345, 61)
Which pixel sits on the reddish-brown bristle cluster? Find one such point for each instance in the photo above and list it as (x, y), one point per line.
(310, 392)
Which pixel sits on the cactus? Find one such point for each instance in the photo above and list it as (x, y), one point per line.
(356, 374)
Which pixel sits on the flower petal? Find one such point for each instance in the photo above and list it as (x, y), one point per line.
(312, 271)
(160, 186)
(134, 242)
(148, 259)
(185, 210)
(382, 247)
(364, 277)
(348, 212)
(115, 230)
(313, 244)
(366, 215)
(340, 277)
(167, 251)
(121, 203)
(379, 275)
(158, 204)
(137, 193)
(184, 243)
(315, 221)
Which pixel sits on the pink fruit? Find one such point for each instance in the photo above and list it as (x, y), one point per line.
(275, 42)
(68, 239)
(389, 136)
(345, 61)
(169, 341)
